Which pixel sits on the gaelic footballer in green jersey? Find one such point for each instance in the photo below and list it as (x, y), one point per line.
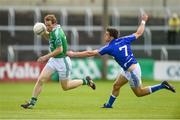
(57, 62)
(58, 38)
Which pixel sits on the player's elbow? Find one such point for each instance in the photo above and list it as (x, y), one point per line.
(59, 49)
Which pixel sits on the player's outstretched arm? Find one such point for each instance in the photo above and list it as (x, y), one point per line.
(141, 27)
(88, 53)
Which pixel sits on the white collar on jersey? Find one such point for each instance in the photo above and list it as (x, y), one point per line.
(57, 26)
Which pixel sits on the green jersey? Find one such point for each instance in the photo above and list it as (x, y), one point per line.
(57, 39)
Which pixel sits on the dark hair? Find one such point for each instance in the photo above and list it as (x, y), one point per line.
(113, 32)
(50, 17)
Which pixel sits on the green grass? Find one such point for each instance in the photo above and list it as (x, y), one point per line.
(84, 103)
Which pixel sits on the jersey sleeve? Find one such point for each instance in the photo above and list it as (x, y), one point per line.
(104, 50)
(130, 38)
(58, 38)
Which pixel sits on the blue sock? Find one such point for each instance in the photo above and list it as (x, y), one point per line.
(155, 88)
(112, 98)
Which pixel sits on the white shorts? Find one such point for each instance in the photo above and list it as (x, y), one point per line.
(134, 77)
(61, 65)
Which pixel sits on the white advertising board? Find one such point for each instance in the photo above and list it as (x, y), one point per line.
(167, 70)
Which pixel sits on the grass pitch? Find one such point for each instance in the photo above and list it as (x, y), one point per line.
(84, 103)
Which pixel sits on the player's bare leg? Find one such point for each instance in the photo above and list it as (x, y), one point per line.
(120, 81)
(44, 76)
(142, 91)
(71, 84)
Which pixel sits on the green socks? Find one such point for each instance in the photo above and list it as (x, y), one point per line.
(33, 100)
(84, 81)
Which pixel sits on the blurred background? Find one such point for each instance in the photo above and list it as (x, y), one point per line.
(84, 22)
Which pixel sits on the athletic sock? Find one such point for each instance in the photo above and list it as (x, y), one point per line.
(112, 98)
(84, 81)
(33, 100)
(155, 88)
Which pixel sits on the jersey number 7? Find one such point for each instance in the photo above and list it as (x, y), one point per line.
(125, 49)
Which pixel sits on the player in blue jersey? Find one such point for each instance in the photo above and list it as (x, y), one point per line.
(120, 49)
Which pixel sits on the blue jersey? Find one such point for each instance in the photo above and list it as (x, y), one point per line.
(120, 49)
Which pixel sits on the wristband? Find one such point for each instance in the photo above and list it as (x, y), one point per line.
(143, 22)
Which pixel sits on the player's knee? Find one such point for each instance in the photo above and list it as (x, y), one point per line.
(138, 93)
(65, 88)
(42, 79)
